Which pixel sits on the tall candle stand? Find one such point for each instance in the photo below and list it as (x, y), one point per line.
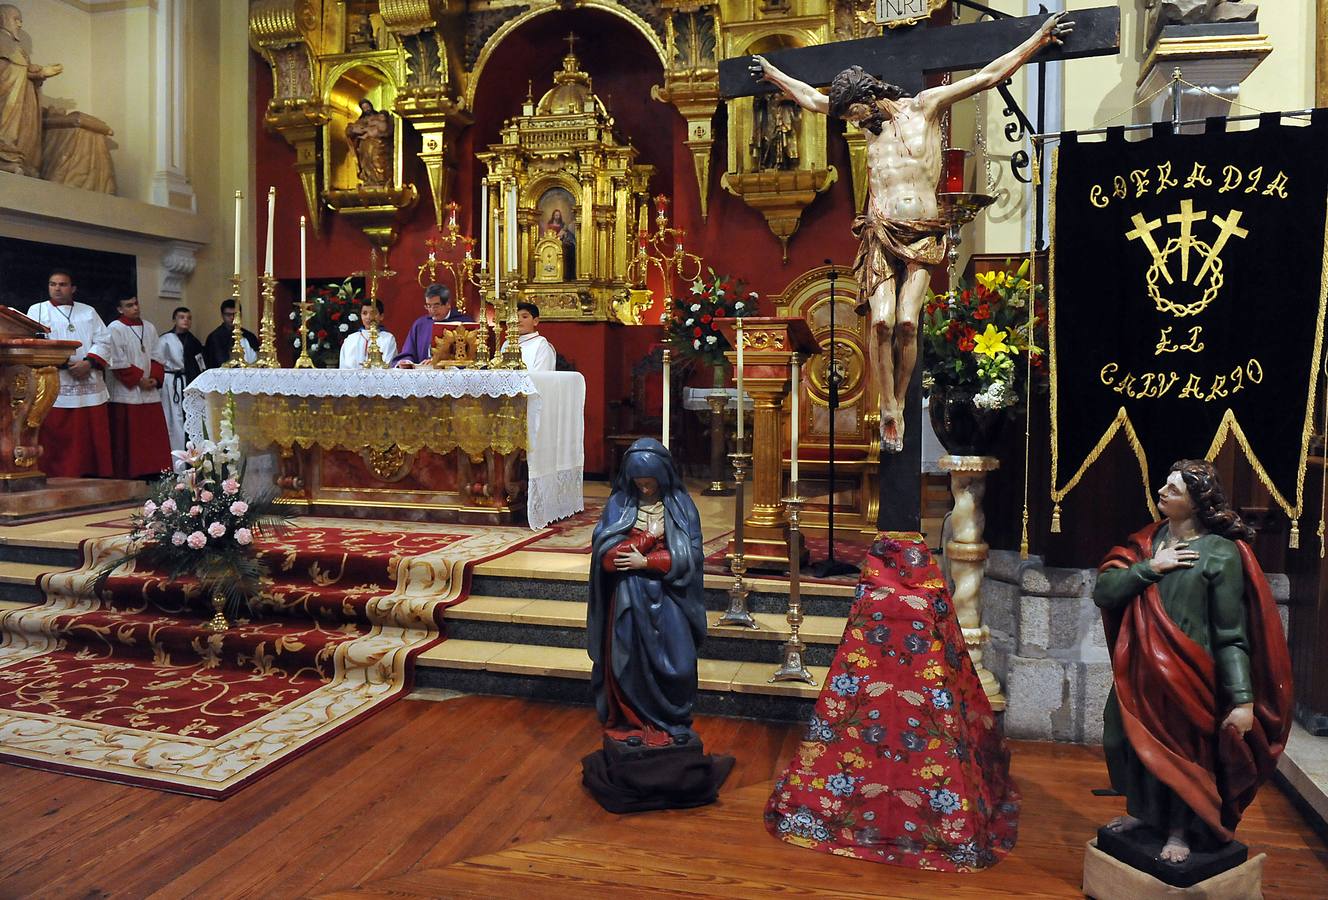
(792, 668)
(663, 251)
(267, 330)
(510, 358)
(737, 613)
(304, 360)
(237, 331)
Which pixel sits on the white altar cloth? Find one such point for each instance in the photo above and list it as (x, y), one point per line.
(555, 413)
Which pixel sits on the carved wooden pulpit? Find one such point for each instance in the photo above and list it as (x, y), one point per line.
(769, 347)
(29, 384)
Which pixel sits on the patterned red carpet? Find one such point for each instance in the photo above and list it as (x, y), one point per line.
(130, 687)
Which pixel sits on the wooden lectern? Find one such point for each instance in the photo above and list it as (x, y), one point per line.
(769, 347)
(29, 384)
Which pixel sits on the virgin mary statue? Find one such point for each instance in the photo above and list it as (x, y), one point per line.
(646, 615)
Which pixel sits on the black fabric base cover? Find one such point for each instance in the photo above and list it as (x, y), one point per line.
(1138, 848)
(625, 779)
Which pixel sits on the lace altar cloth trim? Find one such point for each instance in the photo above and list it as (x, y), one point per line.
(555, 413)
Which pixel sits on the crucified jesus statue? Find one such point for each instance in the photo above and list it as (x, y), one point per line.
(901, 232)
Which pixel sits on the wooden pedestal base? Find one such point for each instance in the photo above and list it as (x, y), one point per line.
(1106, 878)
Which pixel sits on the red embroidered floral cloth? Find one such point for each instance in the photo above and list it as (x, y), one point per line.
(901, 762)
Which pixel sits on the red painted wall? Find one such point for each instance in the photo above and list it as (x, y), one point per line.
(734, 240)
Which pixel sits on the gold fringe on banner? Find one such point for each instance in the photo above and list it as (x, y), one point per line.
(1028, 357)
(1056, 519)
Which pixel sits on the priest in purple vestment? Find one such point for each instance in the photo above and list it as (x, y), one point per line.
(419, 341)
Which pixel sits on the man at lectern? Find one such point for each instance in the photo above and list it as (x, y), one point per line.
(419, 341)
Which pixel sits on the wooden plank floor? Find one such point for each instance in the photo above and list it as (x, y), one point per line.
(481, 797)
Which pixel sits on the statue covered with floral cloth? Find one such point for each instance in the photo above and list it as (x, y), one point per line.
(901, 762)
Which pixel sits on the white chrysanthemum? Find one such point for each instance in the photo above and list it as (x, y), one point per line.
(696, 345)
(996, 396)
(353, 317)
(711, 339)
(695, 307)
(343, 327)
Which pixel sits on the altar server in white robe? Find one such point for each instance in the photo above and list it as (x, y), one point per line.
(355, 347)
(139, 445)
(183, 356)
(76, 436)
(536, 351)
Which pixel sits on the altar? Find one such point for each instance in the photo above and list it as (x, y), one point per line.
(446, 445)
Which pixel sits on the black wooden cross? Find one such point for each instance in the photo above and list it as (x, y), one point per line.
(905, 58)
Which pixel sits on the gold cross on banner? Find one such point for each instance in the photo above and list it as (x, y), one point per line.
(373, 274)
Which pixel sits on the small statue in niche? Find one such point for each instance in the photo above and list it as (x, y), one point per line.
(774, 142)
(360, 33)
(370, 136)
(1201, 705)
(20, 107)
(645, 620)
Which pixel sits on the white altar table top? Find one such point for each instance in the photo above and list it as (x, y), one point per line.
(555, 413)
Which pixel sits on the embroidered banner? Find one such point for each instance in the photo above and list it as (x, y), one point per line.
(1187, 299)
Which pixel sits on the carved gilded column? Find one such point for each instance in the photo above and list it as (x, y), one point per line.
(288, 34)
(691, 81)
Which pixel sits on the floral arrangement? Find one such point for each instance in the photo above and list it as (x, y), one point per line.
(691, 327)
(198, 523)
(336, 314)
(976, 335)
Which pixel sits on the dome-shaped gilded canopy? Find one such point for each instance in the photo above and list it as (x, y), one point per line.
(570, 91)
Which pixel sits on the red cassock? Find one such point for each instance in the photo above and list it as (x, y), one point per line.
(76, 443)
(140, 445)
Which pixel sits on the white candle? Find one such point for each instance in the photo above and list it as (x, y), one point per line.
(271, 210)
(484, 224)
(793, 452)
(304, 293)
(497, 253)
(511, 227)
(741, 413)
(239, 211)
(665, 429)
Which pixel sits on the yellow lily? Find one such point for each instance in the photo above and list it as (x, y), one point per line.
(991, 342)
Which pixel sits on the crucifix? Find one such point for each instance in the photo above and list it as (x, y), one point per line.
(903, 229)
(373, 354)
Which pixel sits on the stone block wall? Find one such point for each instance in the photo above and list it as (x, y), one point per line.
(1048, 649)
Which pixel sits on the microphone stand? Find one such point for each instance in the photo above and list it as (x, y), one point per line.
(830, 567)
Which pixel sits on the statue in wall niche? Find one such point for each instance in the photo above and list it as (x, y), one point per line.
(645, 620)
(1162, 13)
(20, 109)
(775, 132)
(371, 138)
(1201, 704)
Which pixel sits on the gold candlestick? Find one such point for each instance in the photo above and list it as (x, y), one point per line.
(511, 355)
(267, 330)
(373, 354)
(737, 613)
(237, 333)
(305, 361)
(792, 669)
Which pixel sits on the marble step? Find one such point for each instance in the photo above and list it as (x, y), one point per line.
(562, 623)
(565, 577)
(726, 687)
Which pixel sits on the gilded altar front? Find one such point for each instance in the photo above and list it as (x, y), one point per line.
(577, 190)
(445, 445)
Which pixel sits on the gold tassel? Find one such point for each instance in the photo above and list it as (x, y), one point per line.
(1294, 541)
(1023, 536)
(1056, 519)
(1321, 547)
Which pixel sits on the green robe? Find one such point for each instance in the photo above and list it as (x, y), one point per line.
(1208, 603)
